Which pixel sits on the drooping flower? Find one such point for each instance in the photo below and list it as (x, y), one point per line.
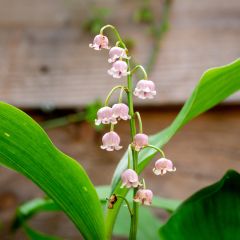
(144, 196)
(100, 41)
(130, 179)
(115, 53)
(119, 69)
(140, 140)
(145, 89)
(120, 111)
(105, 116)
(163, 166)
(111, 141)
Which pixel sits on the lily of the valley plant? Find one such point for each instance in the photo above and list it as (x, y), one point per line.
(144, 89)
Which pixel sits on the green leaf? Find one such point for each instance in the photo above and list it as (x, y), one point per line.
(167, 204)
(211, 213)
(31, 208)
(26, 148)
(35, 235)
(148, 225)
(215, 85)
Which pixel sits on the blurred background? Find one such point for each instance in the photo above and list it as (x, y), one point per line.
(48, 70)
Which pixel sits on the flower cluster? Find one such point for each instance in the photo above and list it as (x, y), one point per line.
(144, 89)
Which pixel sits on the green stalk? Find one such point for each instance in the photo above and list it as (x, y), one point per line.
(134, 216)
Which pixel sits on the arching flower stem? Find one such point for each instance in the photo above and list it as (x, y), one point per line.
(139, 122)
(115, 32)
(112, 91)
(120, 95)
(156, 148)
(117, 43)
(128, 205)
(142, 69)
(144, 184)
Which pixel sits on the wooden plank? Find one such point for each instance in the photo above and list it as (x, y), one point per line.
(203, 35)
(45, 60)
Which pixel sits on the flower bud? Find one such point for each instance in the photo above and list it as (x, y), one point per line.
(145, 89)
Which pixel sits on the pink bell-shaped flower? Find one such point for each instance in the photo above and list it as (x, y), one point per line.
(100, 41)
(115, 53)
(163, 166)
(105, 116)
(120, 111)
(119, 69)
(144, 196)
(145, 89)
(111, 141)
(130, 179)
(140, 140)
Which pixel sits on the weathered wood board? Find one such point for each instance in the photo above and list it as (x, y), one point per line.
(45, 60)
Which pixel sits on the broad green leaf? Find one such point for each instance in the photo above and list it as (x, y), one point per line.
(35, 235)
(215, 85)
(25, 148)
(148, 225)
(211, 213)
(31, 208)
